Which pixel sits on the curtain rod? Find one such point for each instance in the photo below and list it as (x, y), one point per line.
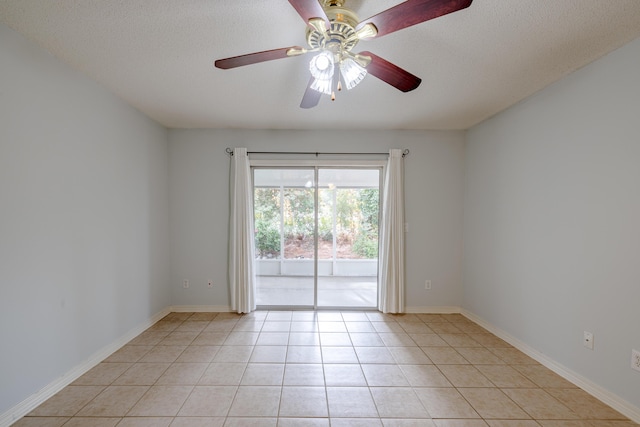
(229, 151)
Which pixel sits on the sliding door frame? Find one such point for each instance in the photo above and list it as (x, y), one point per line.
(316, 165)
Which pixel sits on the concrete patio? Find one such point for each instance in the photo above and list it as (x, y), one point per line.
(333, 291)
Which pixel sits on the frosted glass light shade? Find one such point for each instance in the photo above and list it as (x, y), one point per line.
(321, 66)
(322, 86)
(352, 72)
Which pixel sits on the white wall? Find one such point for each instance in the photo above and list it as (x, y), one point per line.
(83, 218)
(552, 221)
(199, 196)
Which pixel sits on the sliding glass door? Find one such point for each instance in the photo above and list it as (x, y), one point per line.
(349, 208)
(284, 215)
(316, 236)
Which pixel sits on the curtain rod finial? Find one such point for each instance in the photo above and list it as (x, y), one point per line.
(405, 152)
(229, 151)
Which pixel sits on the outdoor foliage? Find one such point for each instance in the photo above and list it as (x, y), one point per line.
(267, 222)
(356, 228)
(298, 213)
(366, 243)
(267, 240)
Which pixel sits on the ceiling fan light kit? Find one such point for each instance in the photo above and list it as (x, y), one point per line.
(334, 30)
(335, 43)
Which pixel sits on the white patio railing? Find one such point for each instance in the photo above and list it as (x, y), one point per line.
(326, 267)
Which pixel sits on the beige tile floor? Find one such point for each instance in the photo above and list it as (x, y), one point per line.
(320, 369)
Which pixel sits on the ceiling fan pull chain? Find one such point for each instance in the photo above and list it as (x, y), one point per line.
(336, 81)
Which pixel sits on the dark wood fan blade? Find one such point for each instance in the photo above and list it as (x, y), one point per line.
(412, 12)
(309, 9)
(391, 73)
(254, 58)
(311, 97)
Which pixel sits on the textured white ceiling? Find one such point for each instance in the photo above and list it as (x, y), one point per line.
(158, 56)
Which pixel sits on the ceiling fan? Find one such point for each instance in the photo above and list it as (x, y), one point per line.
(334, 30)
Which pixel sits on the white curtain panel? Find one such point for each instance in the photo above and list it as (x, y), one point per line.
(241, 250)
(391, 274)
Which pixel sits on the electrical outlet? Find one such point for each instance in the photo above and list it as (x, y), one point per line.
(427, 284)
(210, 284)
(185, 283)
(635, 360)
(587, 340)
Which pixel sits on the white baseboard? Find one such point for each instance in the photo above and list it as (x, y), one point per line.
(602, 394)
(200, 309)
(227, 309)
(433, 310)
(30, 403)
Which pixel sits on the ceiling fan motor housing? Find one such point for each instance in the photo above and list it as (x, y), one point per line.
(341, 37)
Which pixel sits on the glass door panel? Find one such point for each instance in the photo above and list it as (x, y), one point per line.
(284, 215)
(348, 212)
